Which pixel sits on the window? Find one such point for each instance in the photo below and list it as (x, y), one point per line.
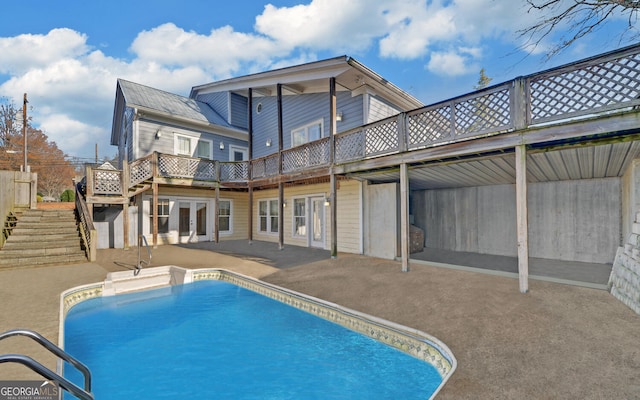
(224, 216)
(163, 215)
(193, 147)
(203, 149)
(183, 146)
(307, 133)
(268, 216)
(300, 217)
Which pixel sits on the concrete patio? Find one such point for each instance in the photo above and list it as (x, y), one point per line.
(557, 341)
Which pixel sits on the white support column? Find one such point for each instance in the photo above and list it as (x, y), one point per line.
(521, 217)
(404, 216)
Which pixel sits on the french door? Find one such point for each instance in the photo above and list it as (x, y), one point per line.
(316, 233)
(193, 221)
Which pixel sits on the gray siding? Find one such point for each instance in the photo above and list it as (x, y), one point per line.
(238, 111)
(219, 102)
(568, 220)
(148, 143)
(298, 111)
(380, 109)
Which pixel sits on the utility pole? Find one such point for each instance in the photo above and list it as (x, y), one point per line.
(24, 130)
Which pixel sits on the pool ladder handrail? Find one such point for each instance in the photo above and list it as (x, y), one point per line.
(142, 239)
(84, 394)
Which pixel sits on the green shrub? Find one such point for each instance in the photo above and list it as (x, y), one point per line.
(68, 196)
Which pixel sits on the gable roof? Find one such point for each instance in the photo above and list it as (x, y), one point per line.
(141, 96)
(313, 77)
(159, 102)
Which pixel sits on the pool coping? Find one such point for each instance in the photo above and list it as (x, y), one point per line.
(411, 341)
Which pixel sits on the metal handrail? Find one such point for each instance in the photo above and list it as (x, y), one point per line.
(47, 373)
(142, 239)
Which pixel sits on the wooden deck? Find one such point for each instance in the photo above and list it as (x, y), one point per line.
(586, 103)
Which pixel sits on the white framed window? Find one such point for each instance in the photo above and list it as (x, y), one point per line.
(224, 216)
(183, 146)
(268, 216)
(306, 133)
(163, 215)
(300, 217)
(203, 149)
(238, 153)
(193, 146)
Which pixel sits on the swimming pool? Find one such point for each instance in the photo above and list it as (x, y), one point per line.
(228, 336)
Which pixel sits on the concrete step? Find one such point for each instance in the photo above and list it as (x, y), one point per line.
(7, 253)
(41, 244)
(42, 238)
(23, 262)
(45, 236)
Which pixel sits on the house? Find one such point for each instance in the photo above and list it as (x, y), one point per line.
(237, 120)
(331, 155)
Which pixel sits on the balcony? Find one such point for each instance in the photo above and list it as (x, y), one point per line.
(592, 89)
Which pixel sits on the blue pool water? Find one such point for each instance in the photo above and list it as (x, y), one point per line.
(215, 340)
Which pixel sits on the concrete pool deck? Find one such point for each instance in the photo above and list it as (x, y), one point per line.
(557, 341)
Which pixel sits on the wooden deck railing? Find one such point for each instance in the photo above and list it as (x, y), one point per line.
(599, 85)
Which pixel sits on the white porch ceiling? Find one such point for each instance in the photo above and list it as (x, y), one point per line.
(602, 161)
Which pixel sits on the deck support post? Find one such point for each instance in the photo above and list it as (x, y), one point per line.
(250, 216)
(404, 216)
(280, 184)
(154, 212)
(333, 197)
(125, 207)
(250, 151)
(333, 103)
(281, 216)
(216, 215)
(125, 225)
(521, 217)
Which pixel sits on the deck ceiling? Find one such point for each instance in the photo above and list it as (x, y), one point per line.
(602, 161)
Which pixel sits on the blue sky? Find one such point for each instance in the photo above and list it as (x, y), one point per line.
(68, 55)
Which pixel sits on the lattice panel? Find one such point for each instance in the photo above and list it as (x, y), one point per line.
(312, 154)
(381, 138)
(482, 113)
(350, 146)
(265, 167)
(234, 171)
(258, 169)
(583, 90)
(107, 181)
(140, 171)
(182, 167)
(431, 126)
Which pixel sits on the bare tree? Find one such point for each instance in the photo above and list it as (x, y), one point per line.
(582, 17)
(55, 172)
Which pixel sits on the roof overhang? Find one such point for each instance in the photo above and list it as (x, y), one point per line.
(314, 77)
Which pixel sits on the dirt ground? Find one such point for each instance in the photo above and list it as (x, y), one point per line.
(555, 342)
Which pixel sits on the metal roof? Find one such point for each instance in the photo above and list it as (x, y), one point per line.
(141, 96)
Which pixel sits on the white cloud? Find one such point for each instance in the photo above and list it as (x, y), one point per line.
(334, 25)
(26, 51)
(72, 136)
(221, 53)
(451, 64)
(71, 84)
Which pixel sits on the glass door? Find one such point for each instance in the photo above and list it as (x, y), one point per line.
(316, 232)
(192, 223)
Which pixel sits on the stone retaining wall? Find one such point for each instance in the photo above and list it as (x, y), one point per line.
(624, 282)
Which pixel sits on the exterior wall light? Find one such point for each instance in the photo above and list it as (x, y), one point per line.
(339, 116)
(221, 145)
(268, 143)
